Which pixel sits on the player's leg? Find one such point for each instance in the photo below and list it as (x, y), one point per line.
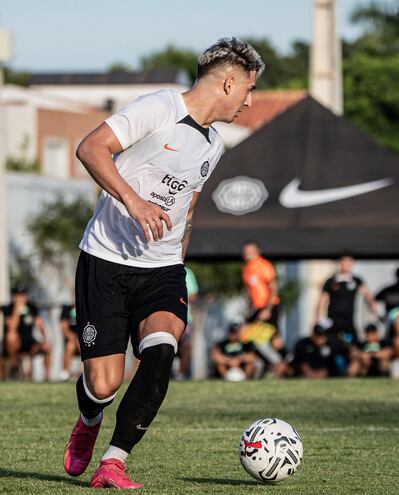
(103, 335)
(159, 317)
(158, 335)
(12, 347)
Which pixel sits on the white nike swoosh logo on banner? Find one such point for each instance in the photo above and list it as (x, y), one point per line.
(292, 197)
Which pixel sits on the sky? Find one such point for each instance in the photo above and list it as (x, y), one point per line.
(90, 35)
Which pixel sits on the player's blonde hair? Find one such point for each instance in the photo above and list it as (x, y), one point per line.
(230, 52)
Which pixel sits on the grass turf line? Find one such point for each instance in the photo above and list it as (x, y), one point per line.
(349, 429)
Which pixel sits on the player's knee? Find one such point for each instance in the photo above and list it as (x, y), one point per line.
(104, 387)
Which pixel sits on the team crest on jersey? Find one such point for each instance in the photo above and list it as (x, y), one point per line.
(204, 169)
(89, 334)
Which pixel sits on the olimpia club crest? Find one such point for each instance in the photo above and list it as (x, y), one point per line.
(89, 334)
(204, 169)
(240, 195)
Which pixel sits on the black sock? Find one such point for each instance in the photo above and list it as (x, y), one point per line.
(144, 396)
(87, 406)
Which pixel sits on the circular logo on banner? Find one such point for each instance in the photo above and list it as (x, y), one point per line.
(240, 195)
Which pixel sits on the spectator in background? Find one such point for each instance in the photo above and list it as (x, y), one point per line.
(313, 356)
(338, 297)
(373, 358)
(276, 358)
(21, 318)
(232, 354)
(389, 296)
(184, 350)
(259, 278)
(71, 341)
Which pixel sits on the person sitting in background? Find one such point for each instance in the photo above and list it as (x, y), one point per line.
(313, 356)
(389, 296)
(71, 341)
(277, 360)
(259, 277)
(374, 356)
(21, 318)
(395, 356)
(232, 353)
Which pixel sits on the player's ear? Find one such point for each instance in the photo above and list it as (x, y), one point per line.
(228, 85)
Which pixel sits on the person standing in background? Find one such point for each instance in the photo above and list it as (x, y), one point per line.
(71, 341)
(338, 300)
(184, 351)
(259, 278)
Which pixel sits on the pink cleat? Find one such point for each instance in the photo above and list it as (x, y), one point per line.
(111, 474)
(80, 447)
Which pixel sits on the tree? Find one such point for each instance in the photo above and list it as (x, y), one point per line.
(57, 230)
(172, 58)
(371, 69)
(118, 67)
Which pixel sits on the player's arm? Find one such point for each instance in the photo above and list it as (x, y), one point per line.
(368, 297)
(95, 152)
(189, 224)
(321, 308)
(39, 324)
(12, 321)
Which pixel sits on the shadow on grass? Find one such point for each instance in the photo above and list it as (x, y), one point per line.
(9, 473)
(220, 481)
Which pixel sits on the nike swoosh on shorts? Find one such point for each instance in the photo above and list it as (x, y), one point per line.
(292, 197)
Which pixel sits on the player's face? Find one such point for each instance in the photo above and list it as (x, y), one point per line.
(240, 95)
(346, 264)
(249, 252)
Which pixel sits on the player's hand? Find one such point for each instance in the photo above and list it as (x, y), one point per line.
(150, 218)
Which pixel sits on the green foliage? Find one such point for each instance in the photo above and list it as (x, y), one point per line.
(20, 78)
(172, 58)
(118, 67)
(21, 162)
(371, 72)
(290, 72)
(372, 98)
(58, 228)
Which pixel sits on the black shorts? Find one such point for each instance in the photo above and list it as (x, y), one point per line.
(112, 299)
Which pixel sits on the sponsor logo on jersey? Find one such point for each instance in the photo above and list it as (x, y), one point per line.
(89, 334)
(168, 200)
(240, 195)
(167, 147)
(174, 184)
(204, 169)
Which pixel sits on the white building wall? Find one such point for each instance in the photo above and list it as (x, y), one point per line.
(20, 127)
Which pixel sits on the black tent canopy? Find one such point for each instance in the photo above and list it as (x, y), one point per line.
(307, 185)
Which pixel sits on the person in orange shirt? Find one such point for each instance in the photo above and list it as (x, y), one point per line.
(259, 277)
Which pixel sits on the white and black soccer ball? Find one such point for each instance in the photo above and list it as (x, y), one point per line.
(270, 450)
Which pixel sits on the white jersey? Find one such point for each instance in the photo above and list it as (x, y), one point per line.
(166, 157)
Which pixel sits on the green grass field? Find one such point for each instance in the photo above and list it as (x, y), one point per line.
(349, 429)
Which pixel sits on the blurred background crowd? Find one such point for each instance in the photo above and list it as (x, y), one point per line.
(249, 345)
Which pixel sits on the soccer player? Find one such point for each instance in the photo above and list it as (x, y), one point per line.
(151, 159)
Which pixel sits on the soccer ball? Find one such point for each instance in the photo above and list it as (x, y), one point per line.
(235, 375)
(270, 450)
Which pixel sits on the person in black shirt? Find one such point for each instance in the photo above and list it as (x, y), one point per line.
(232, 353)
(389, 296)
(71, 342)
(21, 317)
(338, 295)
(373, 358)
(313, 356)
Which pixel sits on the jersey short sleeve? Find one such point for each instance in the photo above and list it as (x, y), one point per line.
(268, 271)
(327, 286)
(359, 282)
(139, 119)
